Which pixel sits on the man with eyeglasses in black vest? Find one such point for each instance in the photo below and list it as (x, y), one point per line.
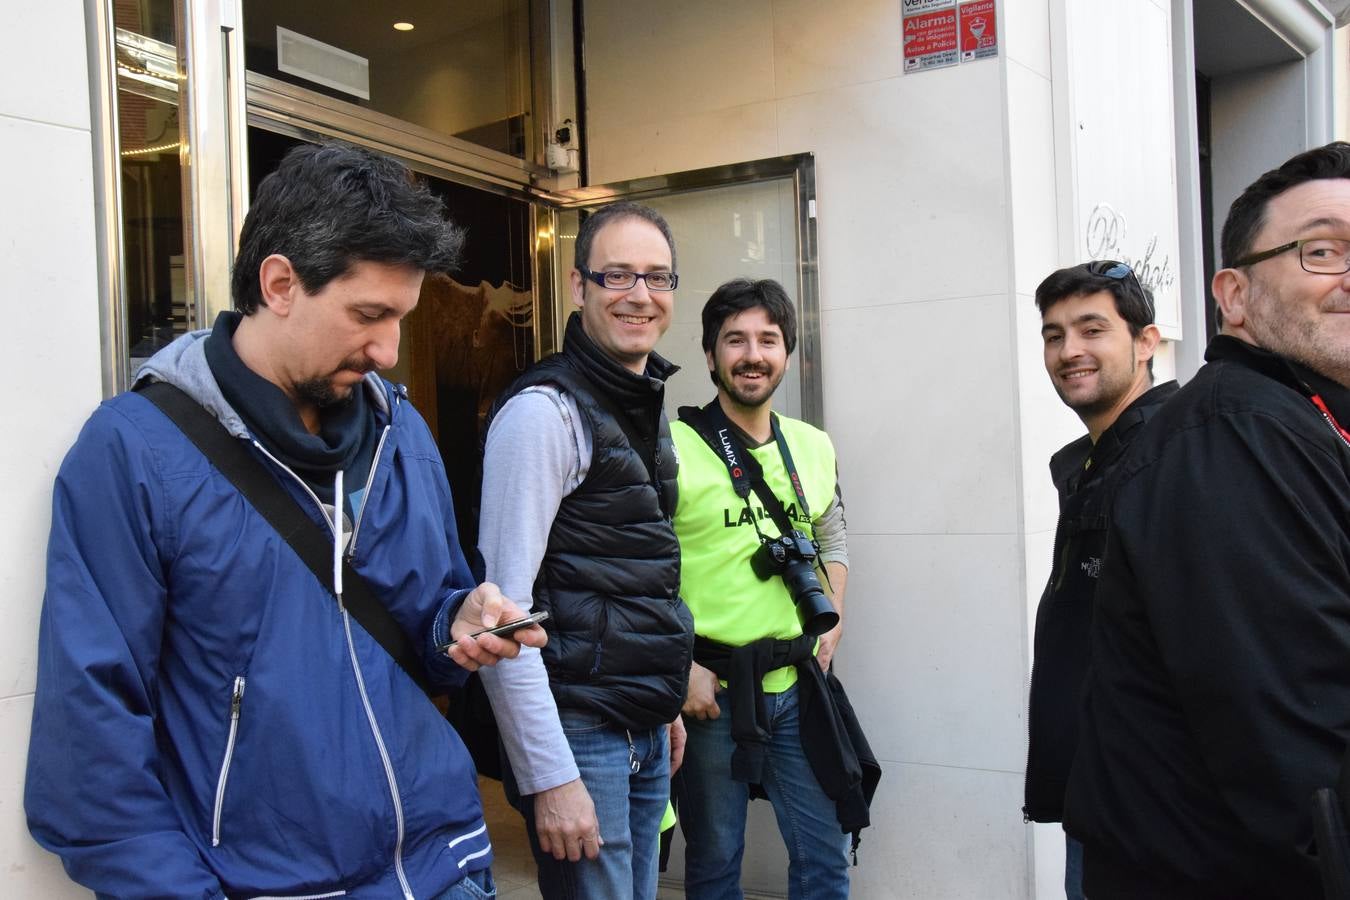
(1216, 701)
(578, 491)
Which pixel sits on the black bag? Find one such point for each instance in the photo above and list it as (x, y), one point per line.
(470, 712)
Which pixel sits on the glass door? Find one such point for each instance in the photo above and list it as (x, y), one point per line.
(166, 179)
(457, 93)
(753, 220)
(156, 223)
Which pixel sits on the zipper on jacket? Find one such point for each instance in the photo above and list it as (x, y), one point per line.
(361, 681)
(356, 669)
(236, 702)
(370, 479)
(601, 629)
(384, 758)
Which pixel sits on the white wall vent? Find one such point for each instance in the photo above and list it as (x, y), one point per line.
(322, 63)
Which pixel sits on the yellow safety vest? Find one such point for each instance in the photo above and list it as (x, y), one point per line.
(717, 536)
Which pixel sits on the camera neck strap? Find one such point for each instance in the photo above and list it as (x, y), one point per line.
(712, 424)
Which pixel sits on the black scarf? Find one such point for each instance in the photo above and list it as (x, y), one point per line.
(347, 430)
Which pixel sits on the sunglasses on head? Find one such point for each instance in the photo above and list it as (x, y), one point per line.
(1119, 271)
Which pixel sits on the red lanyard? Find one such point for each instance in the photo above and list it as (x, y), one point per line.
(1331, 420)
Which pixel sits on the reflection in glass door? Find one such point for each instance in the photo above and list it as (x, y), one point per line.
(155, 223)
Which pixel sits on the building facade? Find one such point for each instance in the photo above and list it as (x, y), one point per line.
(911, 182)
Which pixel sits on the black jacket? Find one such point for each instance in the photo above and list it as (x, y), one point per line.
(833, 742)
(1060, 661)
(620, 638)
(1219, 694)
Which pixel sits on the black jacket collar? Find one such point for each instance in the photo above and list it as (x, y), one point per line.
(1074, 458)
(1226, 348)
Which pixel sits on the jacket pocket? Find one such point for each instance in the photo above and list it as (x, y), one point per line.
(236, 703)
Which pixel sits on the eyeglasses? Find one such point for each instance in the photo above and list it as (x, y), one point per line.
(1119, 271)
(1320, 256)
(622, 280)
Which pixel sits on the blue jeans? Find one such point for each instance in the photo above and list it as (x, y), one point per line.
(712, 809)
(1073, 869)
(473, 886)
(629, 784)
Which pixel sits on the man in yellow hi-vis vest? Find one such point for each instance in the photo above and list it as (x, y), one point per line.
(763, 568)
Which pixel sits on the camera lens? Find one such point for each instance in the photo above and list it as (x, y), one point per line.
(814, 610)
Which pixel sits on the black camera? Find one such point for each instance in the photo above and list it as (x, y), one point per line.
(794, 557)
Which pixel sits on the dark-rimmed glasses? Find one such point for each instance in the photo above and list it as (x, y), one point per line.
(1119, 271)
(622, 279)
(1318, 256)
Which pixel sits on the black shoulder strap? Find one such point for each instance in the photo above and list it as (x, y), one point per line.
(746, 473)
(279, 508)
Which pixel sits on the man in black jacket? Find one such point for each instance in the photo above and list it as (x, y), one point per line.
(1099, 338)
(1217, 699)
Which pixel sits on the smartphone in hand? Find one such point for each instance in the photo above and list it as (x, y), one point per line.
(506, 629)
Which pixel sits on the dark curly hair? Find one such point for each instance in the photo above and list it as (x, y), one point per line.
(329, 206)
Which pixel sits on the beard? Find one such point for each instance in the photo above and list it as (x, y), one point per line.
(743, 398)
(323, 393)
(1299, 333)
(1111, 386)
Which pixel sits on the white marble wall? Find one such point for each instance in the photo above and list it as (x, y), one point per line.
(923, 297)
(50, 300)
(1044, 424)
(1341, 85)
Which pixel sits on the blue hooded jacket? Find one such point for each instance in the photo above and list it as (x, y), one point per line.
(208, 721)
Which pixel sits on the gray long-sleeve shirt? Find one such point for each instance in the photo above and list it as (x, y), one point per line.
(538, 451)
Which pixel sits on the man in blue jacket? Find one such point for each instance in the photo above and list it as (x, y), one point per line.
(210, 720)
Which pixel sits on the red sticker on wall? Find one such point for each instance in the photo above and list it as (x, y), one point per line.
(979, 34)
(930, 40)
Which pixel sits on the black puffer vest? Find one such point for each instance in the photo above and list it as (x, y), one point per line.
(620, 639)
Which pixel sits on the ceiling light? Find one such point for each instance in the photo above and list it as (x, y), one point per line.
(403, 26)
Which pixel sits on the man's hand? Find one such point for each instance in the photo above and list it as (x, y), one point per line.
(701, 701)
(836, 573)
(828, 642)
(483, 608)
(564, 818)
(677, 739)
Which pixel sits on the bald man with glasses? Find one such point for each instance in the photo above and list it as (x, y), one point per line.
(1216, 703)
